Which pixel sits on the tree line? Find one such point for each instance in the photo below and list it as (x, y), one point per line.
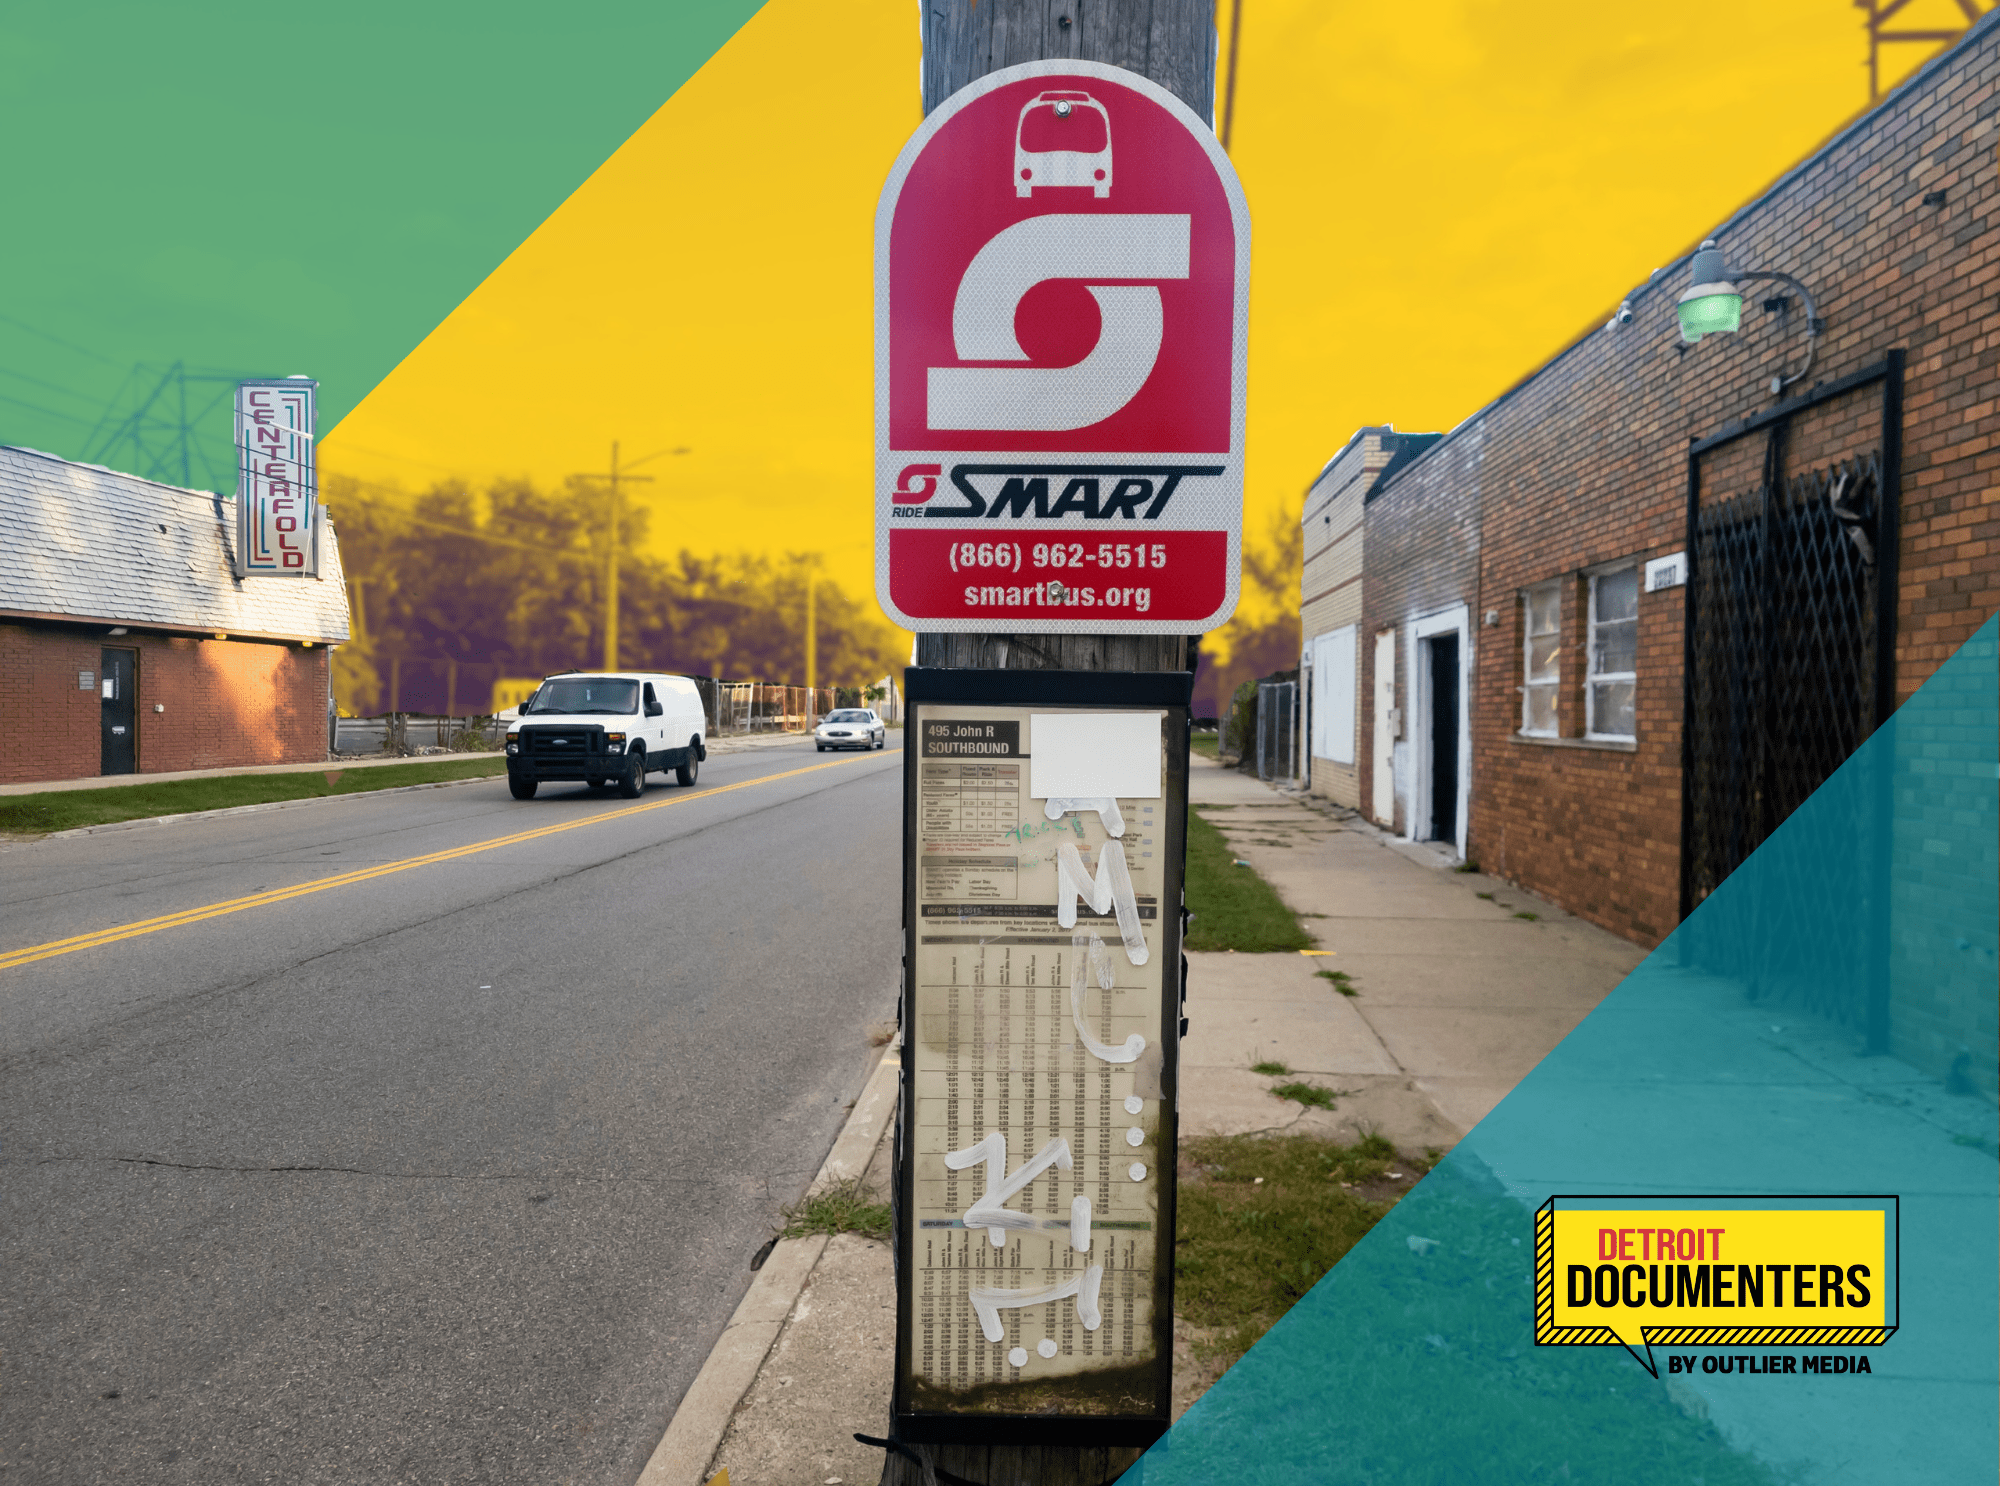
(456, 588)
(1263, 636)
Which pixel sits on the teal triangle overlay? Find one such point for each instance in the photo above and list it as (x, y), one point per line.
(261, 190)
(1734, 1059)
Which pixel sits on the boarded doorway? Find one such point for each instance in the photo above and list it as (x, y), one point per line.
(118, 690)
(1441, 737)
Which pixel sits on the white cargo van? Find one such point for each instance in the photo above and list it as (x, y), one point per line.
(606, 728)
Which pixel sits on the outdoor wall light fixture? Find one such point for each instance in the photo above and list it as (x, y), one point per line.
(1714, 305)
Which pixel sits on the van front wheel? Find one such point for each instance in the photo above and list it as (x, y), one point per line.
(632, 783)
(521, 789)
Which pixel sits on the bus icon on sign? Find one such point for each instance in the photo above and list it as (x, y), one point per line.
(1063, 139)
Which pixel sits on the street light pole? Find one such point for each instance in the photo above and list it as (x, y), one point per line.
(812, 636)
(611, 577)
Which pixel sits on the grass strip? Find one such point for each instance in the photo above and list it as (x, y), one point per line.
(842, 1207)
(1259, 1219)
(67, 809)
(1205, 744)
(1233, 907)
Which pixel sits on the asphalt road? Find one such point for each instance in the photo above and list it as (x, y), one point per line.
(449, 1174)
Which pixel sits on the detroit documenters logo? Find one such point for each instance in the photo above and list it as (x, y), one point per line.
(1062, 274)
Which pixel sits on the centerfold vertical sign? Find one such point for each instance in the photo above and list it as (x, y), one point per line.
(1062, 289)
(277, 484)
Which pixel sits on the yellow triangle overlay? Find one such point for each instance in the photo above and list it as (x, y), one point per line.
(710, 285)
(1436, 209)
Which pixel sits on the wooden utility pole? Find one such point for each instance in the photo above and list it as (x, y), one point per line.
(1171, 42)
(617, 478)
(611, 561)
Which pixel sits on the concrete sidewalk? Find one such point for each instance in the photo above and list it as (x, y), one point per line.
(1458, 996)
(1458, 990)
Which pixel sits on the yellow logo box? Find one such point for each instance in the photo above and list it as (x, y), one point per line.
(1681, 1271)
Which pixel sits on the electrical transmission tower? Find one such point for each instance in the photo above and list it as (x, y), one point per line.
(154, 427)
(1881, 12)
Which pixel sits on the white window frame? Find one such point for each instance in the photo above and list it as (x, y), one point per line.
(1592, 677)
(1553, 589)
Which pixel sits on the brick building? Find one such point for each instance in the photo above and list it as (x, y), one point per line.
(1330, 609)
(1523, 655)
(127, 643)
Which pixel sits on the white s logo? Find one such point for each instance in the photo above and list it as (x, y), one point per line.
(1058, 246)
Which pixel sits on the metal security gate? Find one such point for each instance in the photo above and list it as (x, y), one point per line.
(1277, 729)
(1789, 666)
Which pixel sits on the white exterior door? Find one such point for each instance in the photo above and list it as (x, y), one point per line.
(1385, 728)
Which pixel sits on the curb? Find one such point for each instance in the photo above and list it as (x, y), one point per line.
(185, 815)
(361, 794)
(247, 771)
(695, 1432)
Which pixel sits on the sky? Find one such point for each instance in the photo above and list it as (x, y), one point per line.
(503, 251)
(1436, 209)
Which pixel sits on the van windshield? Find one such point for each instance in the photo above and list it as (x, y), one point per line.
(582, 696)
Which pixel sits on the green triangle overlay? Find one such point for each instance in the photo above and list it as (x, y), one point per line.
(255, 190)
(1733, 1060)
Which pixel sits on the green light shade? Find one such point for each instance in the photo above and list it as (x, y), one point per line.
(1709, 308)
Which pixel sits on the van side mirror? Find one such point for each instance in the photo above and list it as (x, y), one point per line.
(654, 709)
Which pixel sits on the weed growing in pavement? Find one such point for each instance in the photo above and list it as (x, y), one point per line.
(1259, 1219)
(1233, 907)
(1466, 867)
(843, 1207)
(1530, 917)
(1312, 1096)
(1270, 1069)
(1487, 896)
(1342, 981)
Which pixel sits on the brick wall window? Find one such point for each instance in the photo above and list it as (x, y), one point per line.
(1541, 665)
(1614, 649)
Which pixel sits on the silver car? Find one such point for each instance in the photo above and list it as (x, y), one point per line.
(850, 727)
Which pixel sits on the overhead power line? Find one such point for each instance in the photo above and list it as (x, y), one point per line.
(542, 549)
(15, 320)
(46, 412)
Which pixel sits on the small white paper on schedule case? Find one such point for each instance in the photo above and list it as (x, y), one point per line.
(1091, 755)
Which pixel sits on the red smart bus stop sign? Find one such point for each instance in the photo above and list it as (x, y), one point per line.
(1062, 277)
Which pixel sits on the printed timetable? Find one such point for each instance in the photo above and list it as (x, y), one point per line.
(1037, 1082)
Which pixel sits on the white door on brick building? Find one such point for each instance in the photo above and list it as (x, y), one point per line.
(1384, 801)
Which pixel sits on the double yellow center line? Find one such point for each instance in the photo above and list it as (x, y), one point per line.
(93, 940)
